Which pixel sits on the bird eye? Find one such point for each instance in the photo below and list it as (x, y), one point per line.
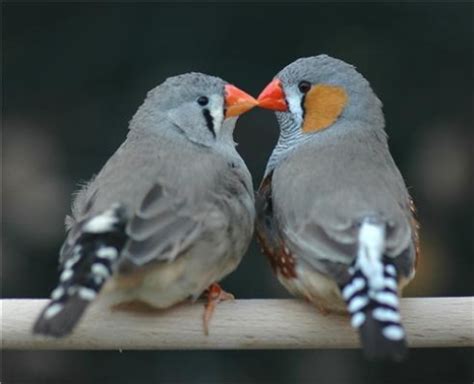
(304, 86)
(203, 100)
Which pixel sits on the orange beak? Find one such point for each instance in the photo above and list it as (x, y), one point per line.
(237, 101)
(272, 97)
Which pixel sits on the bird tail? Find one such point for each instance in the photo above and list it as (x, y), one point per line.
(371, 295)
(88, 262)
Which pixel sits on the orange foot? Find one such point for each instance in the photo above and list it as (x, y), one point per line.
(215, 294)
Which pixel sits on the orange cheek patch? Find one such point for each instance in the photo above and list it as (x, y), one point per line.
(323, 104)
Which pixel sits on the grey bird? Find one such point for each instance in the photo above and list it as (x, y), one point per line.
(170, 213)
(334, 216)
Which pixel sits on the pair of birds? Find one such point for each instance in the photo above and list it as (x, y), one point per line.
(172, 211)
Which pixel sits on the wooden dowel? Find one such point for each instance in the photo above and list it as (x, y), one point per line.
(241, 324)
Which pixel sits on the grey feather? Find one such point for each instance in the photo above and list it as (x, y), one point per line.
(325, 183)
(323, 190)
(339, 205)
(168, 183)
(183, 192)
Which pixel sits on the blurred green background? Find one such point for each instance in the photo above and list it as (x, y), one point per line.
(74, 74)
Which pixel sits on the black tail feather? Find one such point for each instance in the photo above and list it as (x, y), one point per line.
(90, 262)
(63, 322)
(375, 313)
(376, 345)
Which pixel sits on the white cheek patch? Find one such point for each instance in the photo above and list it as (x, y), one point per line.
(294, 105)
(216, 109)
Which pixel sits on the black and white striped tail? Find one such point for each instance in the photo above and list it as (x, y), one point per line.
(89, 262)
(372, 299)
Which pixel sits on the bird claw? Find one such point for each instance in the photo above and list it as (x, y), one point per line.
(215, 294)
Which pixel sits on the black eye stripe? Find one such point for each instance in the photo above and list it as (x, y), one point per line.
(209, 121)
(302, 105)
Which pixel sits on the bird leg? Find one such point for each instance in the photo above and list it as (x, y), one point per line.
(215, 294)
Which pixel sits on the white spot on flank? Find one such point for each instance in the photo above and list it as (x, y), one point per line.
(358, 319)
(356, 285)
(57, 293)
(357, 303)
(390, 269)
(393, 332)
(100, 270)
(384, 314)
(66, 275)
(369, 255)
(107, 253)
(53, 310)
(101, 223)
(387, 298)
(87, 294)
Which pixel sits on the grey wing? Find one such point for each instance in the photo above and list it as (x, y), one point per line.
(166, 225)
(332, 250)
(320, 216)
(235, 198)
(162, 227)
(314, 247)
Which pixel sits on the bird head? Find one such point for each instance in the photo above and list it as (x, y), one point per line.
(204, 108)
(314, 93)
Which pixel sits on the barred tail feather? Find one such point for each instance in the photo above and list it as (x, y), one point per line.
(372, 298)
(88, 266)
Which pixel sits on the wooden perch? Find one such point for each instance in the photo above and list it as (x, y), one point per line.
(241, 324)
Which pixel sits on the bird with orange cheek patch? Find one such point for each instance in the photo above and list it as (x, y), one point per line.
(334, 216)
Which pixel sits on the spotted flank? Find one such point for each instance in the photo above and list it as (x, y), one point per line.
(89, 262)
(372, 298)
